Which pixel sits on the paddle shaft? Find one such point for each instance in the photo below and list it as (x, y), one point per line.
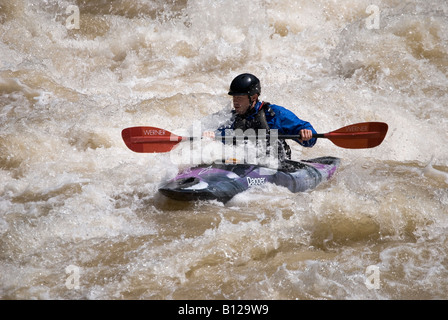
(176, 139)
(355, 136)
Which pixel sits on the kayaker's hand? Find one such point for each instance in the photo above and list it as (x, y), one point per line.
(208, 134)
(305, 135)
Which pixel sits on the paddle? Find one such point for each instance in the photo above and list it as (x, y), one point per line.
(356, 136)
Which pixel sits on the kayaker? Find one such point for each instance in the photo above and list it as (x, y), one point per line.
(251, 113)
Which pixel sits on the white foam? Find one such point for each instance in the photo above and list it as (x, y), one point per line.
(69, 186)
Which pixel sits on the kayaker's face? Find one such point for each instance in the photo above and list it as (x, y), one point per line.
(241, 104)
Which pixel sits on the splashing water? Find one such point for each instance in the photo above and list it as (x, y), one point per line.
(73, 74)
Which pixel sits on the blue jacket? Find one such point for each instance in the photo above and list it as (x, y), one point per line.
(284, 121)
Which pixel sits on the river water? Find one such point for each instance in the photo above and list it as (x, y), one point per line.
(80, 215)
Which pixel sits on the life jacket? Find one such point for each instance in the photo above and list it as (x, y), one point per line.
(256, 119)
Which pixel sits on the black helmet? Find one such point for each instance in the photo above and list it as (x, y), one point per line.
(243, 84)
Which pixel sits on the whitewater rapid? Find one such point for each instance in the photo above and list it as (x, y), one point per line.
(80, 215)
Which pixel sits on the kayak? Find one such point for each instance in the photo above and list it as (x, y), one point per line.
(222, 181)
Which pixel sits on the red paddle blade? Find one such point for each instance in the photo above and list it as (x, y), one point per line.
(359, 136)
(149, 139)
